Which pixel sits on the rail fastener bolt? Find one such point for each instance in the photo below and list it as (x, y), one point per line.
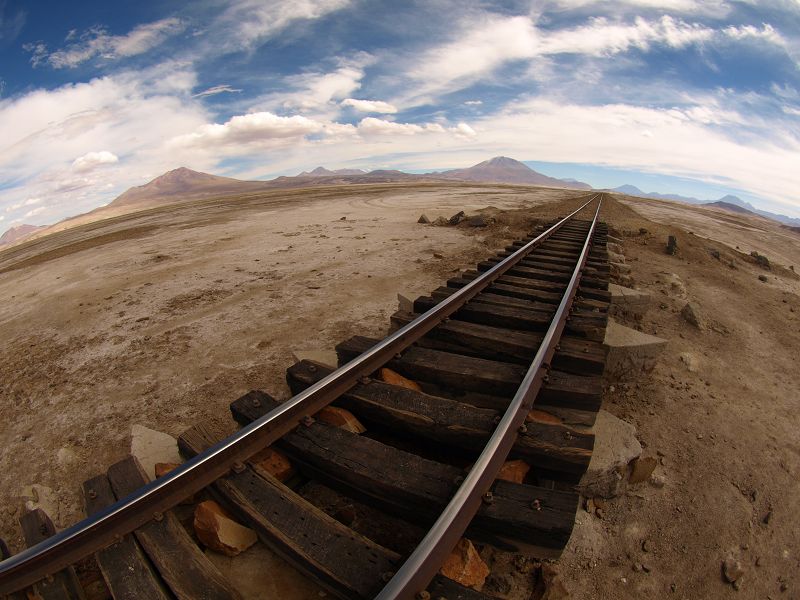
(522, 428)
(158, 516)
(237, 467)
(255, 402)
(386, 576)
(423, 595)
(312, 368)
(307, 421)
(364, 380)
(92, 494)
(536, 504)
(458, 479)
(488, 498)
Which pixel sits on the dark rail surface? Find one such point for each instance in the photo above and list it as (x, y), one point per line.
(419, 569)
(155, 498)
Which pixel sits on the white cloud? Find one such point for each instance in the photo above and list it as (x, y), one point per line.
(251, 128)
(247, 23)
(485, 43)
(375, 106)
(34, 212)
(473, 102)
(373, 126)
(97, 42)
(217, 89)
(91, 160)
(464, 130)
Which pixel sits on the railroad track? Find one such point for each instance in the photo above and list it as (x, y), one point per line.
(504, 361)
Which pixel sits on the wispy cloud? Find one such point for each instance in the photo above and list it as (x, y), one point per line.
(97, 42)
(217, 89)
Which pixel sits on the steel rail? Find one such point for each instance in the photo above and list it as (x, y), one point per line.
(149, 501)
(419, 569)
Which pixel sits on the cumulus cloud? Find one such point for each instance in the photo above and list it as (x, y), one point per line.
(92, 160)
(375, 106)
(98, 42)
(217, 89)
(249, 129)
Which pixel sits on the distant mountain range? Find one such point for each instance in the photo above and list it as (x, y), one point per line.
(185, 184)
(729, 202)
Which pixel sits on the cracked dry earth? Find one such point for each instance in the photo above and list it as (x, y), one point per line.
(161, 318)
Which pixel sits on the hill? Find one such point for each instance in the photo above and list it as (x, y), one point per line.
(323, 172)
(19, 233)
(731, 207)
(184, 183)
(502, 169)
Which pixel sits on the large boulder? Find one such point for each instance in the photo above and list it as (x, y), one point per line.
(615, 448)
(630, 352)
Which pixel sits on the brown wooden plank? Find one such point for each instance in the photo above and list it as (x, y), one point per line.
(542, 274)
(591, 326)
(575, 355)
(415, 488)
(180, 562)
(125, 568)
(496, 379)
(545, 286)
(547, 443)
(344, 562)
(514, 291)
(63, 585)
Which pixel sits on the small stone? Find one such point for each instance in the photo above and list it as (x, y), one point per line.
(672, 245)
(514, 471)
(393, 378)
(767, 518)
(479, 221)
(759, 562)
(456, 218)
(642, 469)
(273, 462)
(691, 315)
(162, 469)
(440, 222)
(219, 532)
(151, 447)
(762, 278)
(438, 255)
(732, 569)
(657, 481)
(423, 219)
(465, 565)
(647, 546)
(714, 253)
(339, 417)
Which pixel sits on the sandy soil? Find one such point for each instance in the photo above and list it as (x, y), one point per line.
(162, 318)
(725, 432)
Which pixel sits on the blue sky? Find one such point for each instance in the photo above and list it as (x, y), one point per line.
(693, 97)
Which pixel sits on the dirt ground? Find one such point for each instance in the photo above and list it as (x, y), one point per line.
(163, 317)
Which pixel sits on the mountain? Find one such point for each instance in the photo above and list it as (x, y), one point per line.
(729, 200)
(632, 190)
(502, 169)
(184, 183)
(323, 172)
(19, 233)
(731, 207)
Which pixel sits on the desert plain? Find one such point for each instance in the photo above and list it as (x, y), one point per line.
(162, 317)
